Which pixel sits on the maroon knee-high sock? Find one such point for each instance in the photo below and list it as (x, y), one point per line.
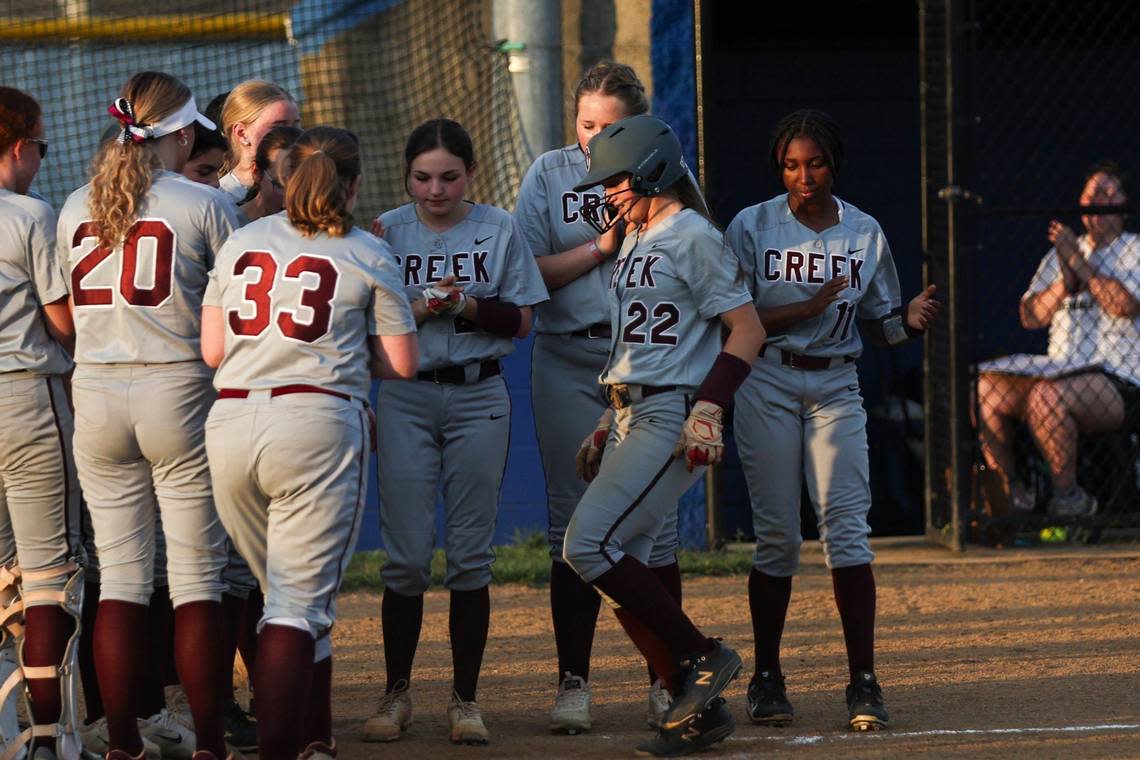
(159, 650)
(574, 606)
(284, 671)
(662, 662)
(634, 588)
(670, 577)
(768, 598)
(854, 589)
(47, 631)
(233, 614)
(198, 654)
(401, 617)
(318, 717)
(247, 640)
(91, 699)
(469, 620)
(120, 634)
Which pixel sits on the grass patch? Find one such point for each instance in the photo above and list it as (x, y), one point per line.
(527, 560)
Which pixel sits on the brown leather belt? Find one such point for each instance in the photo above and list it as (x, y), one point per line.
(622, 395)
(456, 374)
(805, 362)
(282, 390)
(599, 330)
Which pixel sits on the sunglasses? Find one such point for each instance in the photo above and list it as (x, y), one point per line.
(43, 143)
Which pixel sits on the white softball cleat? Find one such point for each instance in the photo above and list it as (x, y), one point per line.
(571, 713)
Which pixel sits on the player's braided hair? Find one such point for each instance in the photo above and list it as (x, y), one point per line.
(324, 162)
(808, 122)
(438, 133)
(19, 114)
(617, 80)
(122, 173)
(242, 106)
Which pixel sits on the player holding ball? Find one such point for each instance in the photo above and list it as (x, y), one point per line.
(674, 287)
(814, 263)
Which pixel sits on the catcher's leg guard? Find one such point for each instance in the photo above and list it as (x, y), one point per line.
(11, 631)
(68, 745)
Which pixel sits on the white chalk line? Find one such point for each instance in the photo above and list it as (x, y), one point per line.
(888, 734)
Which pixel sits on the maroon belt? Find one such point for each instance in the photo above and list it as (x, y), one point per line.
(282, 390)
(811, 363)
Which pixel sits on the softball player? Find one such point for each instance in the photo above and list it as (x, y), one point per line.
(814, 263)
(140, 239)
(472, 281)
(570, 351)
(251, 109)
(667, 378)
(41, 576)
(299, 306)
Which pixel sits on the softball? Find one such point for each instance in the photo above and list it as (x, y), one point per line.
(1054, 535)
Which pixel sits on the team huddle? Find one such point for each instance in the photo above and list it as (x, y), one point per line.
(186, 357)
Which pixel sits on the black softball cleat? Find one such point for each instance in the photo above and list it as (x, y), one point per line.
(714, 724)
(768, 703)
(703, 677)
(865, 708)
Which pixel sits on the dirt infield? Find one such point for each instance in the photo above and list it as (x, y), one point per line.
(985, 654)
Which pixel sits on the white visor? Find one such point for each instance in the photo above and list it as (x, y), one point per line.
(183, 117)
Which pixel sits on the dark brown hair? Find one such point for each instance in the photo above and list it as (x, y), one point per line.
(19, 114)
(438, 133)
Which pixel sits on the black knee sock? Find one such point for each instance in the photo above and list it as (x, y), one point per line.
(670, 577)
(768, 598)
(468, 623)
(401, 618)
(855, 597)
(574, 606)
(635, 588)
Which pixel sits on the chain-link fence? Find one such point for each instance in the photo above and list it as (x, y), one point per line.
(1033, 385)
(378, 68)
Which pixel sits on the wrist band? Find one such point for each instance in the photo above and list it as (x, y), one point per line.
(498, 318)
(727, 374)
(596, 252)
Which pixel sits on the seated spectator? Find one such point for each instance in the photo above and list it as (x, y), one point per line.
(1087, 292)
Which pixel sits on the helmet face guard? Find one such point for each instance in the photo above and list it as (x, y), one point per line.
(604, 214)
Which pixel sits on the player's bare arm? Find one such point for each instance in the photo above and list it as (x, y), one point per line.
(60, 326)
(560, 269)
(213, 336)
(746, 332)
(779, 319)
(394, 357)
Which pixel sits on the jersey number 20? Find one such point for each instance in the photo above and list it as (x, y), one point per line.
(155, 230)
(317, 298)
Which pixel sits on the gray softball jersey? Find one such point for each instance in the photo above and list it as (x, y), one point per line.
(552, 216)
(793, 262)
(30, 276)
(298, 310)
(141, 303)
(667, 286)
(489, 257)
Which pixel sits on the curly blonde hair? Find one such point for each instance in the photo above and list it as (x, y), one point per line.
(122, 173)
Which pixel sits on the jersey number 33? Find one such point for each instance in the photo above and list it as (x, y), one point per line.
(318, 278)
